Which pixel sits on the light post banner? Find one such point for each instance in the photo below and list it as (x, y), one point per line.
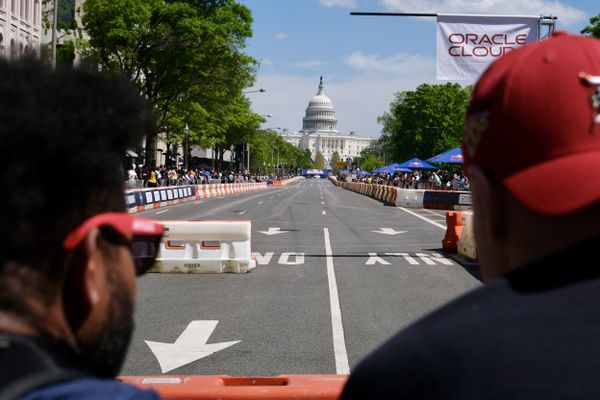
(467, 44)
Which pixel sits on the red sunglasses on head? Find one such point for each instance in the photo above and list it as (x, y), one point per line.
(145, 236)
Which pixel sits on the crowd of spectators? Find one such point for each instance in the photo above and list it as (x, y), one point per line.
(436, 180)
(143, 176)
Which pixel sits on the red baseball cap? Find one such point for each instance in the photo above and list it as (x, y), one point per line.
(534, 123)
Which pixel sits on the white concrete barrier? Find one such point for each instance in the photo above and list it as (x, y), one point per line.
(466, 243)
(411, 198)
(205, 247)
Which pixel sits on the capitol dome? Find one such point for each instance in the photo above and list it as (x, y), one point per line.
(320, 113)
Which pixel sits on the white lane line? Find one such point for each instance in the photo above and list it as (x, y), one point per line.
(162, 211)
(323, 212)
(242, 212)
(260, 202)
(339, 343)
(424, 218)
(434, 213)
(322, 202)
(198, 202)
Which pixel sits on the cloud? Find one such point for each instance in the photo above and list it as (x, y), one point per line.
(309, 64)
(398, 64)
(358, 99)
(340, 3)
(266, 62)
(566, 14)
(281, 35)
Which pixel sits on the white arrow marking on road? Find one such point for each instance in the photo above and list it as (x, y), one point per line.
(273, 231)
(190, 346)
(389, 231)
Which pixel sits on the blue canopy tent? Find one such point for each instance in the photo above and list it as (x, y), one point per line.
(381, 170)
(390, 169)
(402, 169)
(454, 156)
(416, 163)
(363, 172)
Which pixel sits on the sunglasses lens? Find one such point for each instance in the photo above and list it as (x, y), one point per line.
(144, 250)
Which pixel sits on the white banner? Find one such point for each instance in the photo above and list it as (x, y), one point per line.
(467, 44)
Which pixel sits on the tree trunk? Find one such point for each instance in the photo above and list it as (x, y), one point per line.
(151, 150)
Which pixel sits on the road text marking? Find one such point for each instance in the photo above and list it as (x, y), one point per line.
(284, 259)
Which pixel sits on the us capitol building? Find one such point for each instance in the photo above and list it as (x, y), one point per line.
(319, 131)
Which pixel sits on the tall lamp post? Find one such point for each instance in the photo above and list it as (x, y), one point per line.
(186, 152)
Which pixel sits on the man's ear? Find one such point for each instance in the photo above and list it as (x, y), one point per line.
(82, 290)
(490, 204)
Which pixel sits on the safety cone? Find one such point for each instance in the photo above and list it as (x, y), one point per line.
(454, 228)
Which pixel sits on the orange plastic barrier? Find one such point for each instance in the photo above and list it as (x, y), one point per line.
(224, 387)
(454, 228)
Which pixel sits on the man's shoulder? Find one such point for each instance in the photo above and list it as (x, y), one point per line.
(91, 388)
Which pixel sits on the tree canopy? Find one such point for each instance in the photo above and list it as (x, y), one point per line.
(593, 29)
(425, 122)
(186, 57)
(370, 158)
(268, 150)
(335, 157)
(320, 160)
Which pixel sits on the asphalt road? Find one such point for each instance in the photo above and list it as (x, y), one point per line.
(346, 275)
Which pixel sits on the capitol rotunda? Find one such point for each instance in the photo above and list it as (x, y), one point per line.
(319, 131)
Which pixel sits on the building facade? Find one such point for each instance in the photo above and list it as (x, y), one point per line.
(20, 28)
(319, 131)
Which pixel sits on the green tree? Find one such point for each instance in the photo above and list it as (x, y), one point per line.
(425, 122)
(185, 56)
(593, 30)
(269, 149)
(319, 160)
(370, 158)
(335, 157)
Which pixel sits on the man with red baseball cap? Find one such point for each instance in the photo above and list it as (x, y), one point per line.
(532, 152)
(69, 251)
